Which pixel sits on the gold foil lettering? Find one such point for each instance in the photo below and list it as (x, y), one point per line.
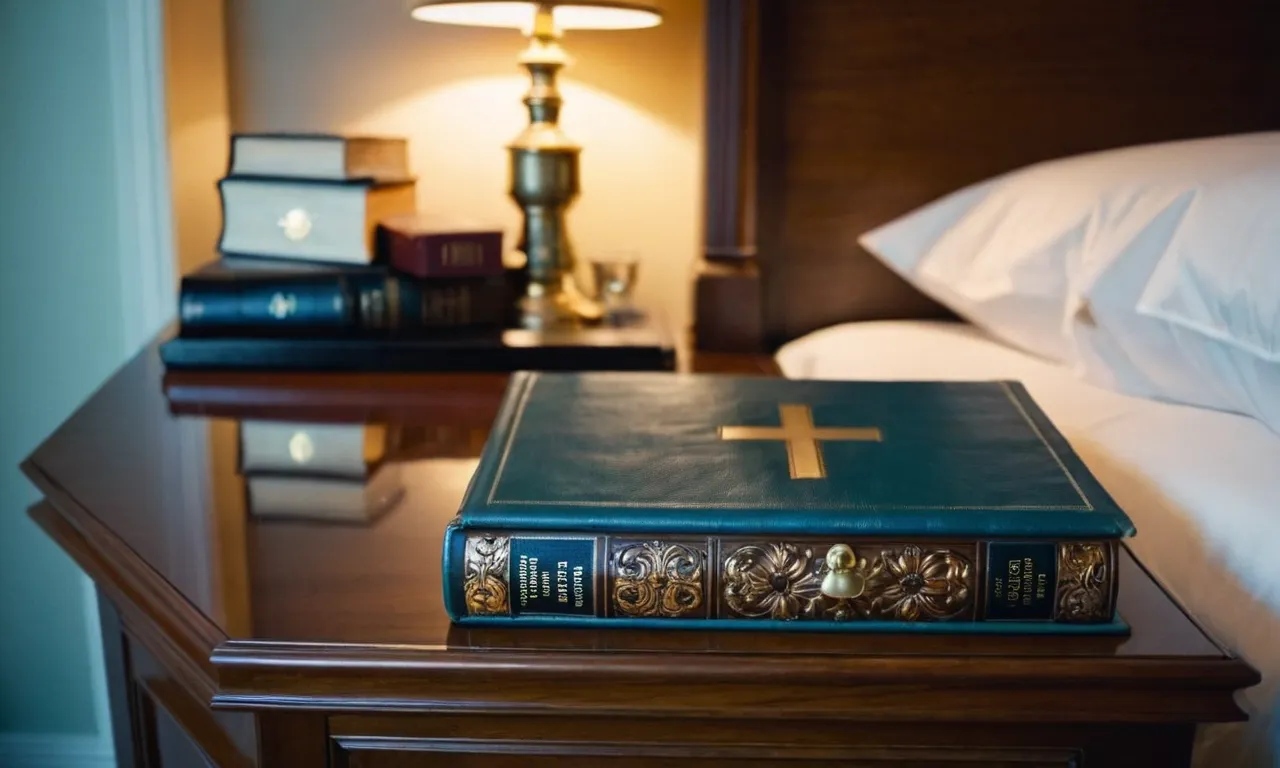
(461, 255)
(524, 572)
(1027, 567)
(562, 581)
(1014, 590)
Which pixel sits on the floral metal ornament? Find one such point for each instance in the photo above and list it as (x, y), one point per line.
(775, 580)
(911, 585)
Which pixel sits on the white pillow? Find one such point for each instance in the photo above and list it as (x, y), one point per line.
(1180, 294)
(1154, 269)
(996, 253)
(1220, 274)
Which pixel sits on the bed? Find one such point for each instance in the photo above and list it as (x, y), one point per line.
(1205, 508)
(831, 120)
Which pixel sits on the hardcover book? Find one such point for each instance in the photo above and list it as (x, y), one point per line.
(674, 500)
(314, 498)
(279, 299)
(430, 247)
(286, 329)
(308, 220)
(319, 156)
(319, 472)
(348, 451)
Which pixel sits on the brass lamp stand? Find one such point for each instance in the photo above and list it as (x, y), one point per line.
(544, 183)
(544, 161)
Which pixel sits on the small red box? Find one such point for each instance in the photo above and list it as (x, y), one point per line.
(427, 247)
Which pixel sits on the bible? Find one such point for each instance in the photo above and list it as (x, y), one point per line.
(725, 502)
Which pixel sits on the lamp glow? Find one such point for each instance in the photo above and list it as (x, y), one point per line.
(520, 15)
(544, 161)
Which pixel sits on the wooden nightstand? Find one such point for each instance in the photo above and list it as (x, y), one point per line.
(248, 641)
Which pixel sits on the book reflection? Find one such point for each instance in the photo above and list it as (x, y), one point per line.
(316, 472)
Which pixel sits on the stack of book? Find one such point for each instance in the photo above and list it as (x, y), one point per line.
(325, 262)
(319, 472)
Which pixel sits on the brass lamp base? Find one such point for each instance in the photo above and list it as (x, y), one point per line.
(544, 183)
(540, 309)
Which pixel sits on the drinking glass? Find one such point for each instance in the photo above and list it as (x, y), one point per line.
(615, 276)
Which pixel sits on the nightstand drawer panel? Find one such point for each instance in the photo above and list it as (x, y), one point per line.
(402, 741)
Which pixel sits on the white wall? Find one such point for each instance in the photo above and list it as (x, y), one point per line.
(62, 331)
(634, 101)
(86, 277)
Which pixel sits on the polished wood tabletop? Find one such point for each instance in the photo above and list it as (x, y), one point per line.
(143, 488)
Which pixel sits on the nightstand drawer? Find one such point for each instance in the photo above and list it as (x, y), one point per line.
(570, 740)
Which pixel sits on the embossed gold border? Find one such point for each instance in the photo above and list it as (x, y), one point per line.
(492, 499)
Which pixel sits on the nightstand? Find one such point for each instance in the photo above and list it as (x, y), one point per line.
(272, 642)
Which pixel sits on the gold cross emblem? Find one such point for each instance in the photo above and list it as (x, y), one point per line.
(802, 438)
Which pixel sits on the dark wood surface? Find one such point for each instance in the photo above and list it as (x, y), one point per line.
(267, 642)
(865, 110)
(642, 344)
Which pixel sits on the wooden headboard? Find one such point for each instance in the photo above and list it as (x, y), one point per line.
(827, 118)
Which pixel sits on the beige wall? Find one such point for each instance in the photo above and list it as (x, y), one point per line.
(199, 120)
(634, 101)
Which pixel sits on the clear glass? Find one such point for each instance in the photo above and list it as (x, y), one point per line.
(614, 277)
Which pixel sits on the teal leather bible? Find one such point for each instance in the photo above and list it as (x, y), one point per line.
(727, 502)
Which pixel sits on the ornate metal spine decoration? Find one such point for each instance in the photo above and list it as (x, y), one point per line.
(655, 579)
(911, 584)
(775, 581)
(783, 581)
(1084, 582)
(485, 575)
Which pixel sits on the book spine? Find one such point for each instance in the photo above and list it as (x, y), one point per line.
(268, 305)
(338, 306)
(445, 255)
(457, 302)
(732, 581)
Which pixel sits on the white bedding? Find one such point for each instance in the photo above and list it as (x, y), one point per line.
(1202, 487)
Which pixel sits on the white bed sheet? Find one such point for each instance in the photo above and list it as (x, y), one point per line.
(1202, 487)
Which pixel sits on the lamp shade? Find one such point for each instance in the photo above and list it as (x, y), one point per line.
(568, 14)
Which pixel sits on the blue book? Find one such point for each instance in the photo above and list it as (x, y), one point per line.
(728, 502)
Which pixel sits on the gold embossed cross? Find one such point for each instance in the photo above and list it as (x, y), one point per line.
(802, 438)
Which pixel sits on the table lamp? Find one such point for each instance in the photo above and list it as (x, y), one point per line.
(544, 160)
